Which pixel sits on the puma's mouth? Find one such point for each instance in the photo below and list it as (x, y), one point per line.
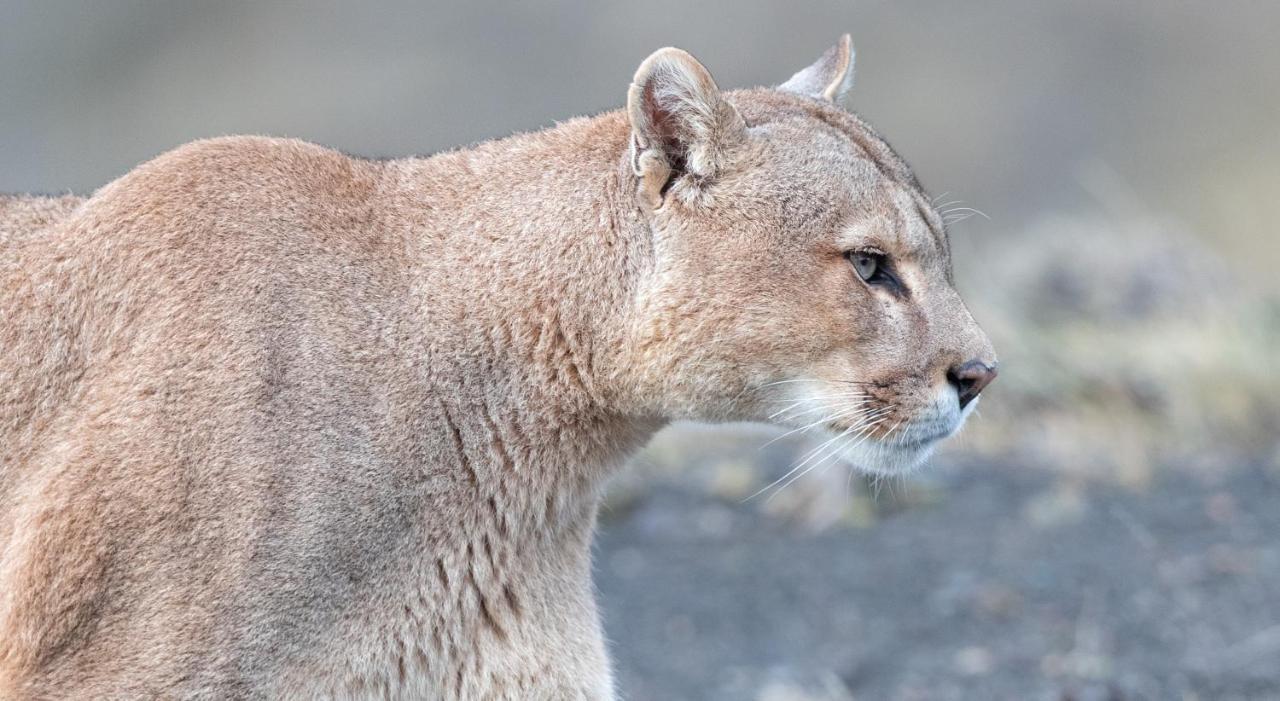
(882, 438)
(933, 428)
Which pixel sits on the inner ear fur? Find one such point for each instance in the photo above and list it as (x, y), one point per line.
(680, 122)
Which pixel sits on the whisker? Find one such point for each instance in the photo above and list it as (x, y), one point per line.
(769, 486)
(864, 422)
(793, 411)
(838, 395)
(826, 419)
(970, 210)
(784, 410)
(850, 443)
(827, 405)
(806, 379)
(862, 435)
(956, 218)
(784, 382)
(814, 410)
(816, 452)
(789, 474)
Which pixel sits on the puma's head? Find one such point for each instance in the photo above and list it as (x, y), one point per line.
(801, 275)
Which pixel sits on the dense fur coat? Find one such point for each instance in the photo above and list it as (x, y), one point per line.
(278, 422)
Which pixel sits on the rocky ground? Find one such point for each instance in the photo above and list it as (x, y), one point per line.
(983, 583)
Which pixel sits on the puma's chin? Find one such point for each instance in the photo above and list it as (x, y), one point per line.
(879, 457)
(910, 445)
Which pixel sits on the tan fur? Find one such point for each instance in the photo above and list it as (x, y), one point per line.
(278, 422)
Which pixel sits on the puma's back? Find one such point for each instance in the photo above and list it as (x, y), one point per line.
(22, 216)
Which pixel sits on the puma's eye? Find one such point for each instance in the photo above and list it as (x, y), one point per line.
(874, 269)
(867, 264)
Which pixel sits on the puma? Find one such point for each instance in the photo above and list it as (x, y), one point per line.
(276, 422)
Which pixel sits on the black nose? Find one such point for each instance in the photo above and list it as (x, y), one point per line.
(970, 378)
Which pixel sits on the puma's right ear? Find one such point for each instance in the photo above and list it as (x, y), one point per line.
(680, 123)
(830, 77)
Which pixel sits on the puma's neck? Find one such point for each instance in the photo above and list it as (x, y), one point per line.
(538, 244)
(523, 258)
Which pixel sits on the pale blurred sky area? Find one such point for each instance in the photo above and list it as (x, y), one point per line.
(1003, 104)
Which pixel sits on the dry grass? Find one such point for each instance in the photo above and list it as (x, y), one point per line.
(1127, 343)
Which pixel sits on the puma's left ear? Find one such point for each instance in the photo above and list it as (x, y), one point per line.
(830, 78)
(680, 122)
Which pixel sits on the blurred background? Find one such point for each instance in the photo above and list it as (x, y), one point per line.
(1107, 528)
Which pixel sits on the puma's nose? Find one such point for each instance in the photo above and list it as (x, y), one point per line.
(969, 379)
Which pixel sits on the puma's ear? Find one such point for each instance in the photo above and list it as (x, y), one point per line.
(680, 123)
(830, 77)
